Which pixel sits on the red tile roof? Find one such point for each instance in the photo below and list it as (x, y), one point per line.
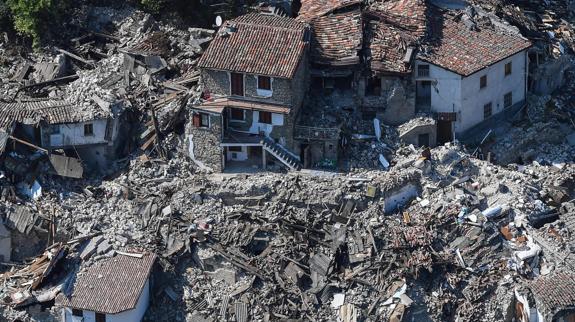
(110, 286)
(337, 38)
(555, 291)
(457, 48)
(397, 25)
(316, 8)
(261, 44)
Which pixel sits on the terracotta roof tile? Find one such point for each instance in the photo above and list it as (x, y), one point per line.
(110, 286)
(261, 44)
(555, 291)
(397, 25)
(337, 38)
(316, 8)
(456, 47)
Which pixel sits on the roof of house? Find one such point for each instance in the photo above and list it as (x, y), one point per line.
(260, 44)
(337, 38)
(111, 285)
(52, 111)
(397, 25)
(555, 291)
(463, 46)
(315, 8)
(217, 106)
(155, 44)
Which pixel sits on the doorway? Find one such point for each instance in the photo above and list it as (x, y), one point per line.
(305, 155)
(444, 132)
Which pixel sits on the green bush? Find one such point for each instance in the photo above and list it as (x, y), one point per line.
(154, 6)
(31, 17)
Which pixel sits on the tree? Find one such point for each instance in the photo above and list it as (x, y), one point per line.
(32, 16)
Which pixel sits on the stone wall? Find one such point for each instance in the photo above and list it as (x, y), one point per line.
(204, 144)
(395, 103)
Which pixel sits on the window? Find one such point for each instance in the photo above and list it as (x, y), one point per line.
(487, 110)
(265, 117)
(235, 149)
(88, 129)
(56, 129)
(201, 120)
(76, 312)
(483, 81)
(508, 100)
(508, 69)
(264, 83)
(423, 70)
(237, 84)
(100, 317)
(237, 114)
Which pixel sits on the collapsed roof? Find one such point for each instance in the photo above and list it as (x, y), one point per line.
(258, 44)
(465, 45)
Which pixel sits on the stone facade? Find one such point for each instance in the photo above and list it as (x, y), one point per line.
(395, 103)
(204, 144)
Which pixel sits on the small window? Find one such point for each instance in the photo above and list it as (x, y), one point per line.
(508, 69)
(88, 129)
(423, 70)
(237, 114)
(76, 312)
(508, 100)
(235, 149)
(100, 317)
(483, 81)
(487, 110)
(201, 120)
(264, 83)
(56, 129)
(265, 117)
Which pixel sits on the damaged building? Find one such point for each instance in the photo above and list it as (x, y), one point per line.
(250, 101)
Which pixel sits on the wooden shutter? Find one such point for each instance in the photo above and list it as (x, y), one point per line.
(237, 84)
(196, 120)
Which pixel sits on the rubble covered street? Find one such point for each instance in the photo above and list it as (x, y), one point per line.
(153, 169)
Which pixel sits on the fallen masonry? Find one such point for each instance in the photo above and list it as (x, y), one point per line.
(150, 173)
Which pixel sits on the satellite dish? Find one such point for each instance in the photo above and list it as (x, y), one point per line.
(218, 21)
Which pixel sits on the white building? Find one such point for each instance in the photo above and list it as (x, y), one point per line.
(112, 290)
(469, 72)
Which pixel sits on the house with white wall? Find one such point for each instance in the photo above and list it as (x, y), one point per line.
(115, 289)
(92, 132)
(469, 71)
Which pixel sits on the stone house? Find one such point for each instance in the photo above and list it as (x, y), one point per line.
(115, 289)
(469, 71)
(254, 77)
(95, 134)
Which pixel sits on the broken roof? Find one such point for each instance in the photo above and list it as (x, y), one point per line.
(315, 8)
(260, 44)
(217, 106)
(156, 44)
(460, 45)
(111, 285)
(337, 38)
(53, 111)
(555, 291)
(397, 27)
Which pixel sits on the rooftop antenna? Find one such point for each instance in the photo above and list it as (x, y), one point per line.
(218, 21)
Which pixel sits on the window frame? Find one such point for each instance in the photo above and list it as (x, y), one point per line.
(510, 70)
(510, 96)
(483, 82)
(89, 126)
(269, 81)
(261, 119)
(235, 76)
(207, 116)
(75, 313)
(100, 317)
(231, 115)
(423, 70)
(485, 109)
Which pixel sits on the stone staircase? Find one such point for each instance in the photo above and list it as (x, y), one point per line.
(281, 154)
